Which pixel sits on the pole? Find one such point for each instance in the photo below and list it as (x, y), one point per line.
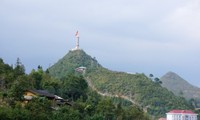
(77, 43)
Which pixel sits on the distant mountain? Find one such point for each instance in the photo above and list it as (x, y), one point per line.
(142, 91)
(179, 86)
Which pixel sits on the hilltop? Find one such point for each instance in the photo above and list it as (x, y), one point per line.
(179, 86)
(71, 61)
(146, 94)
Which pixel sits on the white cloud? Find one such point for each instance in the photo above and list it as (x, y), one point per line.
(185, 20)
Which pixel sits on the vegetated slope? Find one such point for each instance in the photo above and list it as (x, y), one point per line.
(147, 94)
(71, 61)
(179, 86)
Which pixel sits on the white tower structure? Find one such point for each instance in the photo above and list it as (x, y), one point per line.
(77, 41)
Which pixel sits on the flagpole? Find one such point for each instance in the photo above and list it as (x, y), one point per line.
(77, 43)
(77, 40)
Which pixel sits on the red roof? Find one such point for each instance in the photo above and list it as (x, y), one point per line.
(182, 111)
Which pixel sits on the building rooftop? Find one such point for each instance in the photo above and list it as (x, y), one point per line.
(42, 93)
(162, 119)
(181, 111)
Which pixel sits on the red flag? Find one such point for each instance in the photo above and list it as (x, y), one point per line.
(76, 34)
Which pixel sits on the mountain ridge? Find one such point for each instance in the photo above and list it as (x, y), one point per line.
(179, 86)
(138, 87)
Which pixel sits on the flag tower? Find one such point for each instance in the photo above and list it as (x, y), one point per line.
(77, 41)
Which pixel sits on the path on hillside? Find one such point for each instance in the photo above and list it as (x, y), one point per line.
(108, 94)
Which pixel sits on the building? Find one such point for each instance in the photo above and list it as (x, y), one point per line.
(30, 94)
(80, 69)
(181, 115)
(56, 100)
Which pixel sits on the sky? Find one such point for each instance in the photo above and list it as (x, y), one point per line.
(136, 36)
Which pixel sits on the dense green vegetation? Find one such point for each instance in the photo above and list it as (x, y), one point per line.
(85, 103)
(145, 92)
(72, 60)
(129, 96)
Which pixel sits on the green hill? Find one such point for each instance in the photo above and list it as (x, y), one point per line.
(71, 61)
(179, 86)
(145, 93)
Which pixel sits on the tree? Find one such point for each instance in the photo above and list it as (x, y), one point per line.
(19, 68)
(119, 112)
(107, 109)
(74, 87)
(134, 112)
(40, 108)
(6, 75)
(181, 93)
(151, 75)
(18, 87)
(66, 113)
(51, 84)
(36, 77)
(47, 71)
(192, 102)
(157, 80)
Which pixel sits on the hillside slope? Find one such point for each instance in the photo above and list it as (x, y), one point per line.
(148, 95)
(71, 61)
(179, 86)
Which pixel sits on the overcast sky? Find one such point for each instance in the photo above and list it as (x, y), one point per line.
(144, 36)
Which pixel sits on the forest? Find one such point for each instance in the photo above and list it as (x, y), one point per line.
(85, 104)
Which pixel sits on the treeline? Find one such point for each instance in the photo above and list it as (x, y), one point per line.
(85, 103)
(93, 108)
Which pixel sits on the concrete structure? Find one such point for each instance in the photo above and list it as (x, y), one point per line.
(181, 115)
(80, 69)
(77, 41)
